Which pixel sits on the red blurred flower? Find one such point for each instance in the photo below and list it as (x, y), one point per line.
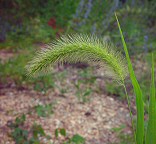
(52, 23)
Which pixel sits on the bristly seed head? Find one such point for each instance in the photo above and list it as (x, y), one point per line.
(80, 48)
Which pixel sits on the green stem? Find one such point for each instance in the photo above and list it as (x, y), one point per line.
(130, 112)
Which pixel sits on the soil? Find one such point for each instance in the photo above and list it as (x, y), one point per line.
(94, 120)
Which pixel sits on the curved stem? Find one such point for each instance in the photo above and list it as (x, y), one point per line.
(130, 112)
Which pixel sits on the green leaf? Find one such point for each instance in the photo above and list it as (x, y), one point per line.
(34, 141)
(56, 133)
(20, 120)
(40, 111)
(151, 128)
(44, 110)
(77, 139)
(137, 91)
(63, 132)
(25, 134)
(87, 92)
(37, 130)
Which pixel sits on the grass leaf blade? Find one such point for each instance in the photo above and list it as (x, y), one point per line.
(137, 91)
(151, 128)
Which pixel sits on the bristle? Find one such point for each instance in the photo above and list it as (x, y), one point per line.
(79, 48)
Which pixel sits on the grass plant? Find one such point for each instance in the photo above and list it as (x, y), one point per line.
(151, 128)
(95, 51)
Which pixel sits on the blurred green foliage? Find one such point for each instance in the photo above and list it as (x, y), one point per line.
(114, 89)
(36, 134)
(75, 139)
(21, 135)
(137, 18)
(124, 138)
(44, 110)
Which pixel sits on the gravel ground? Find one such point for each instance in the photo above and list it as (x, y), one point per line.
(94, 120)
